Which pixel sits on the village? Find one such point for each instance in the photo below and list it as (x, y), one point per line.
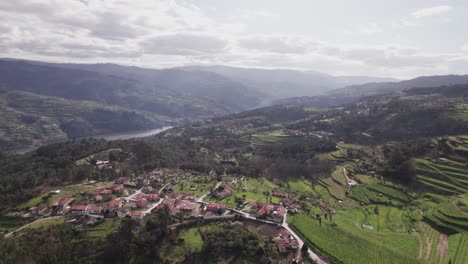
(186, 195)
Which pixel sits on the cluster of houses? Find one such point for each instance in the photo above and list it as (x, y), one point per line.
(223, 192)
(285, 242)
(187, 207)
(270, 212)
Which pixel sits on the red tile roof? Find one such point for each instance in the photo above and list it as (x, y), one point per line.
(79, 208)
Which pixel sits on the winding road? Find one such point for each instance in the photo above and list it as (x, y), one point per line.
(37, 221)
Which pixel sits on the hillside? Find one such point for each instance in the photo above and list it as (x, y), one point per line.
(351, 197)
(30, 120)
(173, 93)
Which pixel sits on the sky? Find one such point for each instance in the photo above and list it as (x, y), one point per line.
(398, 38)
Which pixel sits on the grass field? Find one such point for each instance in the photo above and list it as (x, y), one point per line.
(46, 223)
(9, 223)
(301, 185)
(198, 186)
(101, 230)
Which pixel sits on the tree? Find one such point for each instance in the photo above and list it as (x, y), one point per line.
(376, 211)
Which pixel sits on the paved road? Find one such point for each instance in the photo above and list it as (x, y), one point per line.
(200, 200)
(312, 254)
(350, 181)
(37, 221)
(130, 197)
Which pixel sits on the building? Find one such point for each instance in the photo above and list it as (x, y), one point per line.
(215, 208)
(121, 180)
(167, 202)
(98, 198)
(117, 189)
(136, 215)
(38, 210)
(114, 204)
(95, 209)
(224, 192)
(152, 197)
(147, 189)
(142, 203)
(286, 245)
(79, 209)
(186, 207)
(185, 196)
(271, 212)
(105, 192)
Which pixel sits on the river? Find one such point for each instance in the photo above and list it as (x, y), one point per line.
(133, 134)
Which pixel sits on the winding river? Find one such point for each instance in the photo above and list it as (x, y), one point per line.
(133, 134)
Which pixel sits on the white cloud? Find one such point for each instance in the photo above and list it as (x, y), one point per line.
(432, 11)
(277, 43)
(171, 33)
(465, 48)
(370, 28)
(184, 44)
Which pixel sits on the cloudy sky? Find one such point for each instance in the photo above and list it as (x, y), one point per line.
(398, 38)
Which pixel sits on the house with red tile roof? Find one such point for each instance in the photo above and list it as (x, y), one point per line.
(121, 180)
(152, 197)
(38, 210)
(147, 189)
(286, 245)
(215, 208)
(117, 189)
(98, 198)
(79, 209)
(186, 196)
(224, 192)
(271, 212)
(95, 209)
(142, 203)
(167, 202)
(105, 192)
(186, 207)
(116, 203)
(136, 214)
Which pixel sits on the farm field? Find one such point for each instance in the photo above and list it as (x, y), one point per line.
(101, 230)
(345, 246)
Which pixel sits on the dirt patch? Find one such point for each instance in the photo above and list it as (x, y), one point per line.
(421, 247)
(429, 247)
(269, 230)
(442, 246)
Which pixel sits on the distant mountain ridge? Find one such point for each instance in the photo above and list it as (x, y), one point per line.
(173, 93)
(383, 88)
(284, 83)
(353, 93)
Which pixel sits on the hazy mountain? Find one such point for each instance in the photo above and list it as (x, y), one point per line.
(174, 93)
(389, 87)
(281, 83)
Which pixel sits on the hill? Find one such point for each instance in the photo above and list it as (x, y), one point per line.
(29, 120)
(282, 83)
(369, 89)
(173, 93)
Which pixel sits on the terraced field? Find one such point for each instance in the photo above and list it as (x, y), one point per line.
(344, 246)
(442, 178)
(449, 218)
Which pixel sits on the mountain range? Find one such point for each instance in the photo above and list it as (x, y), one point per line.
(156, 97)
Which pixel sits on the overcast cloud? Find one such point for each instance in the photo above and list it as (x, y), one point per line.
(400, 38)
